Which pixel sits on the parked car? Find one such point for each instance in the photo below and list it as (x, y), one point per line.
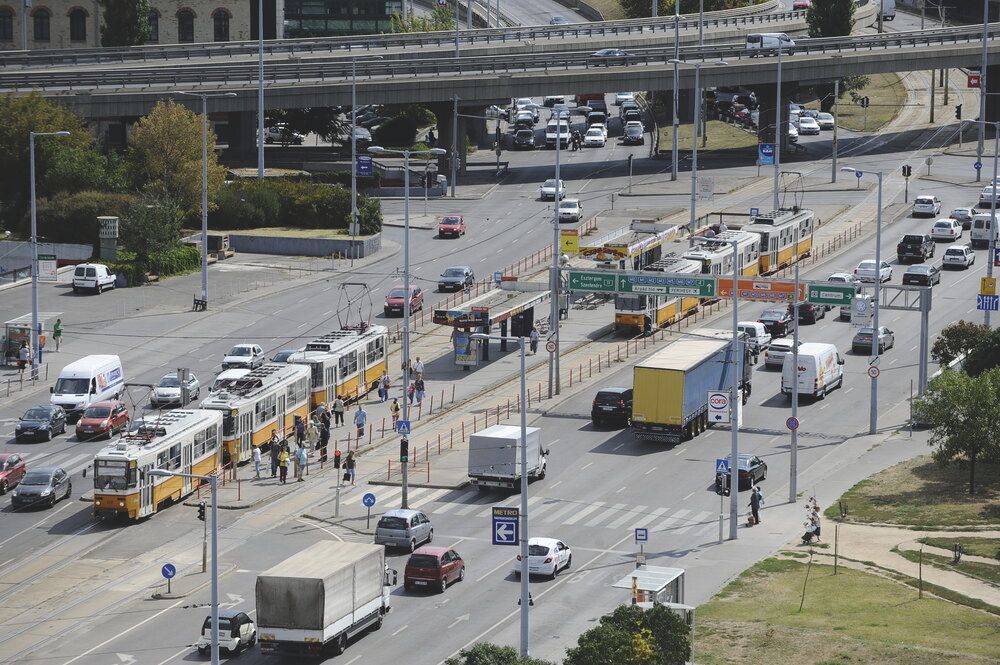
(102, 419)
(774, 355)
(926, 205)
(570, 210)
(801, 4)
(243, 355)
(622, 97)
(777, 321)
(548, 189)
(433, 567)
(12, 469)
(866, 271)
(397, 296)
(283, 135)
(523, 139)
(546, 556)
(93, 277)
(404, 528)
(456, 278)
(283, 355)
(237, 632)
(41, 422)
(750, 470)
(922, 274)
(946, 230)
(963, 216)
(559, 20)
(611, 56)
(958, 256)
(825, 120)
(634, 135)
(168, 390)
(41, 486)
(808, 126)
(451, 225)
(594, 138)
(793, 134)
(612, 405)
(809, 313)
(862, 342)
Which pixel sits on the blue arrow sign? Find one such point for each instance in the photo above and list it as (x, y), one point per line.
(987, 303)
(858, 174)
(505, 525)
(403, 427)
(366, 167)
(977, 165)
(168, 570)
(368, 499)
(754, 212)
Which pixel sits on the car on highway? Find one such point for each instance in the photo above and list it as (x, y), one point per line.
(631, 115)
(612, 405)
(12, 469)
(963, 216)
(433, 567)
(548, 190)
(634, 135)
(283, 355)
(750, 470)
(168, 389)
(757, 336)
(611, 56)
(601, 127)
(793, 134)
(926, 205)
(862, 342)
(559, 20)
(922, 274)
(777, 321)
(986, 196)
(41, 422)
(622, 97)
(774, 354)
(946, 229)
(843, 278)
(627, 105)
(227, 378)
(958, 256)
(456, 278)
(546, 556)
(801, 4)
(914, 247)
(237, 632)
(243, 355)
(41, 486)
(770, 41)
(402, 527)
(845, 310)
(808, 126)
(825, 120)
(552, 101)
(866, 271)
(809, 313)
(594, 138)
(93, 277)
(570, 210)
(103, 419)
(396, 297)
(524, 120)
(523, 139)
(451, 226)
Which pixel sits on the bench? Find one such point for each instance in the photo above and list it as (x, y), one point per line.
(200, 304)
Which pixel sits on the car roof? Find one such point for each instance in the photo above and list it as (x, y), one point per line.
(109, 403)
(458, 267)
(433, 550)
(46, 469)
(613, 389)
(958, 247)
(47, 407)
(400, 512)
(549, 542)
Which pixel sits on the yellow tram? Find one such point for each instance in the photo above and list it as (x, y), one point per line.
(631, 309)
(183, 440)
(345, 363)
(786, 235)
(715, 254)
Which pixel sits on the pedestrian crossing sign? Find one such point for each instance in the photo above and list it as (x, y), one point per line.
(403, 427)
(722, 465)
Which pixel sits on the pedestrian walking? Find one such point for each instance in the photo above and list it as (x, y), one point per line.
(275, 444)
(410, 392)
(338, 411)
(300, 430)
(816, 522)
(283, 463)
(324, 420)
(383, 388)
(754, 507)
(320, 411)
(418, 367)
(301, 457)
(57, 332)
(23, 354)
(324, 439)
(256, 461)
(394, 411)
(360, 417)
(418, 387)
(533, 340)
(350, 470)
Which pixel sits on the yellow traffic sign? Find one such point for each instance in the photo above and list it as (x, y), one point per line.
(988, 286)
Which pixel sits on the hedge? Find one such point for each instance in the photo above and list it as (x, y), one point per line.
(179, 260)
(72, 217)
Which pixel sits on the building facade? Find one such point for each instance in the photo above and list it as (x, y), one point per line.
(329, 18)
(53, 24)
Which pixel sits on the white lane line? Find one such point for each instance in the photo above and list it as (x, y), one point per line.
(33, 526)
(559, 512)
(124, 632)
(355, 659)
(617, 447)
(620, 489)
(472, 507)
(430, 497)
(626, 515)
(823, 407)
(555, 484)
(327, 313)
(209, 357)
(913, 348)
(849, 390)
(650, 518)
(613, 511)
(400, 629)
(460, 501)
(680, 451)
(584, 512)
(587, 465)
(179, 653)
(688, 496)
(302, 325)
(301, 300)
(693, 522)
(321, 528)
(489, 509)
(651, 470)
(493, 570)
(278, 311)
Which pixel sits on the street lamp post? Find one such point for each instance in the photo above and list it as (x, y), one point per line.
(524, 485)
(777, 135)
(734, 404)
(378, 150)
(982, 90)
(260, 89)
(674, 163)
(354, 143)
(212, 480)
(204, 184)
(873, 414)
(993, 203)
(36, 352)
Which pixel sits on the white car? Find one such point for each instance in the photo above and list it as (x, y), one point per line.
(843, 278)
(244, 355)
(227, 378)
(793, 134)
(594, 138)
(774, 355)
(986, 196)
(866, 271)
(570, 210)
(808, 125)
(634, 123)
(825, 120)
(946, 229)
(758, 338)
(237, 632)
(927, 205)
(958, 256)
(622, 97)
(603, 128)
(546, 556)
(548, 189)
(168, 390)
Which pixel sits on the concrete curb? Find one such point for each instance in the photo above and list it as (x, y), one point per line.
(27, 280)
(183, 594)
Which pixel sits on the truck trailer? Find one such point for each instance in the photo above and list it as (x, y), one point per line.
(495, 456)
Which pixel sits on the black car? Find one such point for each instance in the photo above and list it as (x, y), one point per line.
(456, 278)
(809, 313)
(283, 355)
(42, 486)
(777, 322)
(922, 275)
(751, 470)
(41, 422)
(634, 136)
(611, 56)
(612, 405)
(523, 139)
(632, 114)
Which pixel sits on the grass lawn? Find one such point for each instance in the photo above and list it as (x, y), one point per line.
(986, 547)
(611, 10)
(721, 136)
(921, 493)
(853, 617)
(886, 95)
(980, 571)
(287, 232)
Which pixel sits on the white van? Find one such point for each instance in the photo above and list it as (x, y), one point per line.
(980, 232)
(93, 277)
(888, 10)
(771, 40)
(821, 369)
(87, 381)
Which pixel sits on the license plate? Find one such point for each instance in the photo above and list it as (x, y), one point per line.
(420, 582)
(608, 408)
(87, 430)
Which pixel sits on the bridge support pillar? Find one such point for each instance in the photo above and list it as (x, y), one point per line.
(444, 112)
(992, 94)
(242, 134)
(766, 100)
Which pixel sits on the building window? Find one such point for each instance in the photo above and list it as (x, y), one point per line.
(220, 21)
(40, 21)
(78, 25)
(154, 27)
(185, 26)
(6, 25)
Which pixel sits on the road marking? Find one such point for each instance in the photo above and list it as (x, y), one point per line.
(688, 496)
(321, 528)
(457, 502)
(555, 484)
(650, 471)
(181, 652)
(302, 325)
(913, 348)
(493, 570)
(849, 390)
(277, 311)
(33, 526)
(355, 659)
(617, 447)
(824, 406)
(124, 632)
(620, 489)
(586, 465)
(209, 357)
(328, 312)
(583, 512)
(610, 512)
(680, 451)
(301, 300)
(399, 630)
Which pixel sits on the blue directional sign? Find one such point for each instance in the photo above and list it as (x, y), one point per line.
(754, 212)
(505, 525)
(403, 427)
(641, 535)
(858, 174)
(987, 303)
(721, 465)
(977, 165)
(368, 499)
(498, 277)
(765, 154)
(168, 570)
(365, 166)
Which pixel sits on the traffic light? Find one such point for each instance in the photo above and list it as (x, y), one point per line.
(336, 459)
(404, 450)
(907, 170)
(958, 112)
(201, 511)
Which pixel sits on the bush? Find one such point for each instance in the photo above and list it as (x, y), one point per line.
(179, 260)
(246, 204)
(72, 217)
(291, 203)
(398, 131)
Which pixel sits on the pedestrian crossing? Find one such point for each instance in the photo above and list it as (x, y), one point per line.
(70, 461)
(550, 510)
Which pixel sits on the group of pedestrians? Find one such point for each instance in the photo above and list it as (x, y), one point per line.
(812, 524)
(282, 456)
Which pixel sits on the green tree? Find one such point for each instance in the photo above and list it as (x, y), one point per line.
(656, 634)
(830, 18)
(985, 355)
(958, 338)
(323, 121)
(963, 411)
(440, 18)
(165, 157)
(150, 227)
(75, 169)
(126, 22)
(72, 216)
(485, 653)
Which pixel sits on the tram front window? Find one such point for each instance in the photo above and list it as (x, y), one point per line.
(630, 303)
(111, 475)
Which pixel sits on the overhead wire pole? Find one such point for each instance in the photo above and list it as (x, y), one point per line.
(779, 134)
(694, 139)
(982, 91)
(554, 383)
(454, 137)
(793, 468)
(993, 211)
(734, 403)
(674, 161)
(260, 88)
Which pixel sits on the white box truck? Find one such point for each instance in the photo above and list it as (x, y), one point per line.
(495, 456)
(322, 597)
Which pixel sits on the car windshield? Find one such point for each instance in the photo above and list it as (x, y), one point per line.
(388, 522)
(773, 314)
(608, 398)
(71, 386)
(36, 478)
(169, 382)
(239, 351)
(538, 550)
(923, 201)
(594, 132)
(224, 624)
(423, 561)
(943, 225)
(865, 331)
(568, 205)
(549, 183)
(451, 220)
(525, 134)
(454, 272)
(97, 412)
(954, 252)
(282, 356)
(866, 265)
(37, 414)
(781, 345)
(632, 131)
(920, 269)
(397, 293)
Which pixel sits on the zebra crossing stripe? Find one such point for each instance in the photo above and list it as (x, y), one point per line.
(635, 514)
(429, 498)
(559, 512)
(583, 512)
(693, 522)
(610, 512)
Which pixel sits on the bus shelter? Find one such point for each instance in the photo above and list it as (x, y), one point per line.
(18, 330)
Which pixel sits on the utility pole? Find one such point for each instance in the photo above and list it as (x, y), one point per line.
(734, 403)
(260, 89)
(793, 474)
(836, 96)
(982, 90)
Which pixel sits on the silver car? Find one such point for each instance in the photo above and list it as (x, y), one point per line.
(403, 528)
(774, 355)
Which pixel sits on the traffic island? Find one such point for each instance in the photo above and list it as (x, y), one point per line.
(189, 582)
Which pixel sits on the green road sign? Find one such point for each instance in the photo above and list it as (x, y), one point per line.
(667, 284)
(830, 294)
(599, 282)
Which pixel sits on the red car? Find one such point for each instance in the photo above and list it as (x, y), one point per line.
(433, 567)
(12, 469)
(451, 225)
(102, 419)
(801, 4)
(395, 298)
